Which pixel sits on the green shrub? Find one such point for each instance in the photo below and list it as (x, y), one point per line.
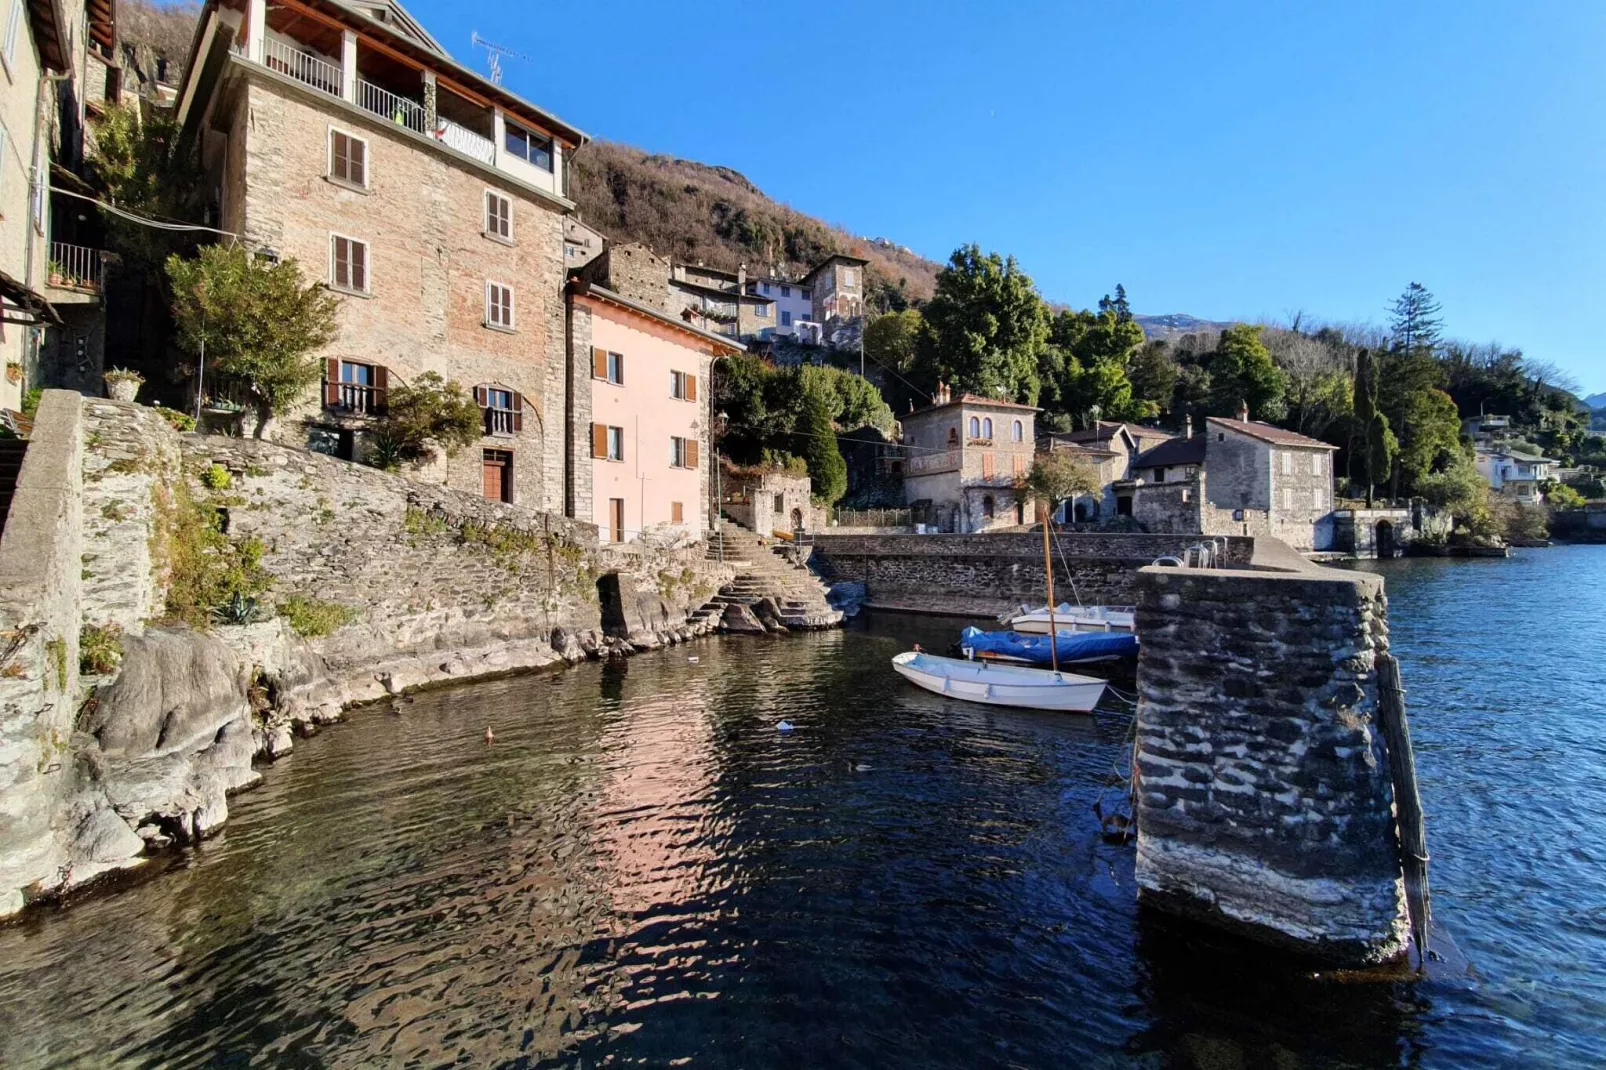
(30, 402)
(216, 477)
(178, 421)
(313, 618)
(100, 649)
(206, 570)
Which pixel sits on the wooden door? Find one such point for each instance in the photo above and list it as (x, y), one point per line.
(497, 471)
(616, 519)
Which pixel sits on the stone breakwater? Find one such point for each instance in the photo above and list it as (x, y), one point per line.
(1264, 801)
(992, 573)
(367, 586)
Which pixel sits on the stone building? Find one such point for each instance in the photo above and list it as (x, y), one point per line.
(719, 301)
(965, 457)
(581, 244)
(58, 60)
(794, 303)
(1238, 477)
(769, 501)
(836, 288)
(431, 200)
(1108, 448)
(638, 461)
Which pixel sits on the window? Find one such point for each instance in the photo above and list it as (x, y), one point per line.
(786, 291)
(1288, 497)
(682, 452)
(849, 277)
(1159, 475)
(988, 508)
(13, 24)
(607, 443)
(1019, 432)
(529, 146)
(975, 427)
(504, 409)
(683, 386)
(348, 264)
(766, 287)
(780, 503)
(1288, 462)
(607, 366)
(498, 306)
(1315, 464)
(987, 466)
(348, 159)
(1318, 498)
(761, 311)
(987, 428)
(1020, 466)
(351, 386)
(677, 513)
(786, 318)
(499, 217)
(953, 437)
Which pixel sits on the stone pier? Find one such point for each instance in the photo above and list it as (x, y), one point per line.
(1264, 802)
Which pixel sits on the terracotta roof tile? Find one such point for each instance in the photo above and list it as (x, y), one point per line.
(1277, 436)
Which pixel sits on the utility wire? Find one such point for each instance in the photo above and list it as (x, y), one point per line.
(142, 220)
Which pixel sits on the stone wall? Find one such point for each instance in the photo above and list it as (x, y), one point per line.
(1263, 788)
(40, 589)
(1359, 532)
(989, 573)
(1583, 524)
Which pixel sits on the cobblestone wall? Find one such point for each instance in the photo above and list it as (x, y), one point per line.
(1264, 799)
(989, 573)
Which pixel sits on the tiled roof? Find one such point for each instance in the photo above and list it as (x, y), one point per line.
(1171, 452)
(1277, 436)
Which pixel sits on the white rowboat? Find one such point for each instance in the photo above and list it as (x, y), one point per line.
(1001, 685)
(1076, 619)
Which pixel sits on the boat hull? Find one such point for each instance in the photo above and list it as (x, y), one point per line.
(1001, 685)
(1076, 619)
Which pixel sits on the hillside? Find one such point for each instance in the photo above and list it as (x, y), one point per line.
(699, 213)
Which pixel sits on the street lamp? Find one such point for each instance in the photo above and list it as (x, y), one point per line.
(719, 484)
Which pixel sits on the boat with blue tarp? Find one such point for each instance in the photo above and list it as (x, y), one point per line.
(1073, 648)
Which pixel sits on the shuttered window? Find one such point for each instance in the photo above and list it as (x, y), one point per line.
(348, 264)
(607, 443)
(987, 466)
(503, 409)
(13, 25)
(677, 513)
(498, 306)
(348, 158)
(683, 386)
(498, 216)
(608, 366)
(679, 456)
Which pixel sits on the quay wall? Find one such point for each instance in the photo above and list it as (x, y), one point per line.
(1263, 794)
(991, 573)
(419, 584)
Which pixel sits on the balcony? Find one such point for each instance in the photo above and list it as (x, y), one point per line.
(77, 268)
(459, 137)
(500, 422)
(305, 67)
(387, 105)
(354, 399)
(931, 464)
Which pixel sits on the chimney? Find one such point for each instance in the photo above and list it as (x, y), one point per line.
(1243, 412)
(741, 278)
(1187, 425)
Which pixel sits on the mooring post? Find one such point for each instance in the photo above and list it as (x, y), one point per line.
(1407, 802)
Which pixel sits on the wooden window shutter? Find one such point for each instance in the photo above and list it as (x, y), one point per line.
(599, 362)
(677, 513)
(987, 466)
(599, 440)
(691, 388)
(482, 397)
(340, 145)
(518, 412)
(331, 382)
(357, 164)
(691, 453)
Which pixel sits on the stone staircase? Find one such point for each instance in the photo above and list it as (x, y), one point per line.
(798, 596)
(11, 454)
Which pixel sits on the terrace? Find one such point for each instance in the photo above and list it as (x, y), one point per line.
(308, 44)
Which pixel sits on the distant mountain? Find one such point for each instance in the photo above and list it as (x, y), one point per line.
(1596, 402)
(1178, 324)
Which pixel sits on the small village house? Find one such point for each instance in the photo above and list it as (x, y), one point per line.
(430, 199)
(1514, 472)
(1108, 449)
(965, 457)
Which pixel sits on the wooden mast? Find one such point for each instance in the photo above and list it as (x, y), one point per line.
(1048, 574)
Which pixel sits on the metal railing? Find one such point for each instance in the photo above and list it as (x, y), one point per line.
(466, 141)
(871, 518)
(399, 109)
(357, 398)
(302, 66)
(75, 267)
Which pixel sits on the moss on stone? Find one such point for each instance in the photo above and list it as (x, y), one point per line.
(313, 618)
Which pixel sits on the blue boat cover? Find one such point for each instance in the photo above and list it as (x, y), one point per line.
(1072, 647)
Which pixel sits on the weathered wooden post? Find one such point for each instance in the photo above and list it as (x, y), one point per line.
(1407, 802)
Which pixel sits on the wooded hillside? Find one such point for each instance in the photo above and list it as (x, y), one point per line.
(695, 213)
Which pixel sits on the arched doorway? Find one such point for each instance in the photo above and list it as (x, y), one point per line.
(1383, 540)
(988, 508)
(1020, 513)
(797, 520)
(1085, 512)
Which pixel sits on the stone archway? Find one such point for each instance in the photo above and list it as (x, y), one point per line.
(797, 519)
(1383, 540)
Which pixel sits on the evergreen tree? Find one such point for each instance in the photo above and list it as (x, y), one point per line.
(827, 470)
(986, 327)
(1376, 444)
(1414, 321)
(1243, 373)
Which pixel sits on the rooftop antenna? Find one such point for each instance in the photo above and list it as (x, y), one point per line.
(495, 52)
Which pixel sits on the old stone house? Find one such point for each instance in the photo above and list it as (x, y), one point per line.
(1237, 477)
(638, 461)
(431, 200)
(1108, 448)
(965, 456)
(770, 501)
(59, 70)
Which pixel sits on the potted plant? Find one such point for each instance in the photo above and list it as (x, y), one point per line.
(122, 384)
(13, 372)
(58, 276)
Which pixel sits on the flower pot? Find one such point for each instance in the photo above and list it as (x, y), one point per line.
(122, 389)
(13, 373)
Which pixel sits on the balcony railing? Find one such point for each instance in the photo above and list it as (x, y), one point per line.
(302, 66)
(399, 109)
(498, 421)
(358, 399)
(932, 463)
(74, 267)
(466, 141)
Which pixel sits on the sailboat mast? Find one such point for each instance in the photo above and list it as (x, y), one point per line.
(1048, 574)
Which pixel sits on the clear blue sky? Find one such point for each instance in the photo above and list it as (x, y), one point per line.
(1231, 160)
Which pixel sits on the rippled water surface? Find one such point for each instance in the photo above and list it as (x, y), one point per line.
(643, 871)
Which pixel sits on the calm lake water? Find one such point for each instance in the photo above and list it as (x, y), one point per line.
(643, 871)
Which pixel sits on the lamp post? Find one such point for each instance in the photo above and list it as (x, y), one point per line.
(719, 484)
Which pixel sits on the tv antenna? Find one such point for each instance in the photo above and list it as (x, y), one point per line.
(495, 52)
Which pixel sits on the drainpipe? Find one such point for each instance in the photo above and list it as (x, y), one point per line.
(38, 205)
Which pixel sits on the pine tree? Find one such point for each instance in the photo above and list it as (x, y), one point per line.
(827, 470)
(1414, 320)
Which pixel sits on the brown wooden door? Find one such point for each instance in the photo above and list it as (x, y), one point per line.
(616, 519)
(497, 468)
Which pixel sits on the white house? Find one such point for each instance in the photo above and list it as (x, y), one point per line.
(1514, 473)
